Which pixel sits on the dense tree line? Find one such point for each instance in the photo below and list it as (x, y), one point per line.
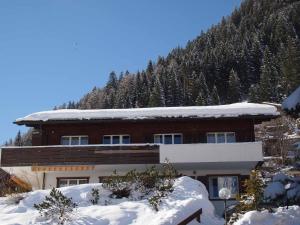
(253, 54)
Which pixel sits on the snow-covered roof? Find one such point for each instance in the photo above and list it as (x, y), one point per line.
(291, 101)
(232, 110)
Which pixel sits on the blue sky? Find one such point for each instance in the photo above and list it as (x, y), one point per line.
(57, 50)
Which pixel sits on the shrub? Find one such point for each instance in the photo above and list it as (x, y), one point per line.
(95, 196)
(169, 174)
(56, 207)
(150, 178)
(156, 199)
(118, 185)
(254, 187)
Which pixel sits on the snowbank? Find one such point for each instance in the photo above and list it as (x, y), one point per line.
(188, 196)
(232, 110)
(282, 216)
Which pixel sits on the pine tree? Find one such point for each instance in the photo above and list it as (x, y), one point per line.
(18, 139)
(200, 100)
(254, 95)
(56, 207)
(203, 97)
(269, 79)
(234, 88)
(253, 192)
(215, 100)
(157, 97)
(291, 66)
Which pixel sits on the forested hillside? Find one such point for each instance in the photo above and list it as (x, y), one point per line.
(254, 54)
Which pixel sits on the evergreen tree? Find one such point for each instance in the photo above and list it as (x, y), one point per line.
(203, 97)
(201, 101)
(291, 66)
(234, 88)
(18, 139)
(215, 100)
(268, 87)
(254, 95)
(157, 97)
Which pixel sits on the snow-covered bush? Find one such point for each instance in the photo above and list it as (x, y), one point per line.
(149, 179)
(56, 207)
(274, 190)
(156, 199)
(120, 186)
(95, 196)
(169, 174)
(283, 190)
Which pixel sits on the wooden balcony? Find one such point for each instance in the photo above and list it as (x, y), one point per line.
(79, 155)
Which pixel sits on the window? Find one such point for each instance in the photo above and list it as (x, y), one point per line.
(216, 183)
(74, 140)
(65, 182)
(168, 138)
(116, 139)
(220, 137)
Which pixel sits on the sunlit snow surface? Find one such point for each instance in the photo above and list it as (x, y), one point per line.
(188, 196)
(282, 216)
(232, 110)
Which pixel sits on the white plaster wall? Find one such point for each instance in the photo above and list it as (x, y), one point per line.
(35, 179)
(228, 152)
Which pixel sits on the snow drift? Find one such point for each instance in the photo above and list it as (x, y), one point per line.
(282, 216)
(188, 196)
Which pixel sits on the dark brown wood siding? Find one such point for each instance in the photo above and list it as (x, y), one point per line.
(80, 155)
(194, 131)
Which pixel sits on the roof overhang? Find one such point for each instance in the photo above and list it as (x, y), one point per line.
(256, 119)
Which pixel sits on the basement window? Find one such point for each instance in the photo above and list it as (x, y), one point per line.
(220, 137)
(116, 139)
(74, 140)
(216, 183)
(168, 138)
(65, 182)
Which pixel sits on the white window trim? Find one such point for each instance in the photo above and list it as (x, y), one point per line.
(75, 136)
(163, 137)
(212, 177)
(69, 179)
(119, 135)
(216, 136)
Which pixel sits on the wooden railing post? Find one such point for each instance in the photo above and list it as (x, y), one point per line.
(196, 215)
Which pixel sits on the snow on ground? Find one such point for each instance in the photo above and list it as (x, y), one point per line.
(188, 196)
(282, 216)
(232, 110)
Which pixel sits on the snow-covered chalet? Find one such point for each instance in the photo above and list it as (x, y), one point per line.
(214, 144)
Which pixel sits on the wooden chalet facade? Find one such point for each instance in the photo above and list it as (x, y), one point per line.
(214, 144)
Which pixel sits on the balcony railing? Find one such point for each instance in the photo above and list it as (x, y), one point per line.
(79, 155)
(130, 154)
(225, 152)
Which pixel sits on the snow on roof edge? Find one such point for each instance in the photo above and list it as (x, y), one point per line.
(231, 110)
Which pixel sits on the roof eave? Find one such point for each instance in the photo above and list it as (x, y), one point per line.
(256, 118)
